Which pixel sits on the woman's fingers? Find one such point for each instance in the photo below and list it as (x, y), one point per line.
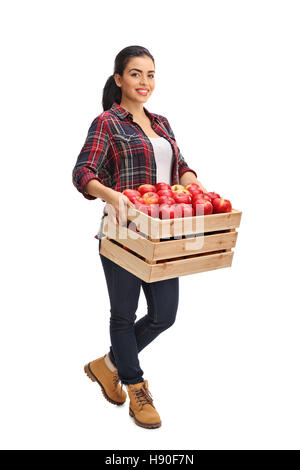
(122, 216)
(118, 212)
(123, 210)
(111, 224)
(129, 203)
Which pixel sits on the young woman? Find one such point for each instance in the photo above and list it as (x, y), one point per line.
(127, 146)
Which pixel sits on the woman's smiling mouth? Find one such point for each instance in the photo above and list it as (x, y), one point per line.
(142, 91)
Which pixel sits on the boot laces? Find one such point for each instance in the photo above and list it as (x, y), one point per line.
(143, 396)
(115, 378)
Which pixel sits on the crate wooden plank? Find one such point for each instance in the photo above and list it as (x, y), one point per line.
(187, 266)
(130, 239)
(193, 245)
(158, 228)
(166, 269)
(158, 250)
(127, 260)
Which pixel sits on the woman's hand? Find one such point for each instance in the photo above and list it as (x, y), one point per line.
(117, 205)
(189, 177)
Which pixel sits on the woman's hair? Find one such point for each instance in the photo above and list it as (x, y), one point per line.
(111, 91)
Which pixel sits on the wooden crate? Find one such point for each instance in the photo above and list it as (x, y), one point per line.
(163, 249)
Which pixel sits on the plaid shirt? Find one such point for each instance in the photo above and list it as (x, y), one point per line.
(118, 153)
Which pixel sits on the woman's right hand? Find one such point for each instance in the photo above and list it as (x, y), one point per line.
(117, 205)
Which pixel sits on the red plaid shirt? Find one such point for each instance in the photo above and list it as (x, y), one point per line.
(118, 153)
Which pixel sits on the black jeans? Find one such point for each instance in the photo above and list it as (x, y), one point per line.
(128, 337)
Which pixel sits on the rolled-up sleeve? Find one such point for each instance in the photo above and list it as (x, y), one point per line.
(183, 166)
(94, 160)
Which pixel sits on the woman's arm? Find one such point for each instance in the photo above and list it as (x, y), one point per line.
(94, 162)
(98, 190)
(189, 177)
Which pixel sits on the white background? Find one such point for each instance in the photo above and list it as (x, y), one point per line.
(226, 375)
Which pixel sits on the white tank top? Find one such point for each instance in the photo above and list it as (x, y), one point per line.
(163, 158)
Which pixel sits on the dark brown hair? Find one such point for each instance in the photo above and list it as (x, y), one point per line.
(111, 92)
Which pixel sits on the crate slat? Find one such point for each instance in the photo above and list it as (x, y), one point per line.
(125, 259)
(166, 270)
(198, 264)
(153, 251)
(159, 228)
(130, 239)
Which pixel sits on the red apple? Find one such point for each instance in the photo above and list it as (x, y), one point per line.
(202, 207)
(166, 200)
(146, 188)
(154, 210)
(198, 197)
(135, 199)
(177, 187)
(204, 196)
(165, 192)
(184, 191)
(182, 198)
(221, 205)
(150, 209)
(195, 191)
(160, 186)
(192, 186)
(138, 204)
(150, 197)
(131, 192)
(168, 212)
(213, 195)
(185, 210)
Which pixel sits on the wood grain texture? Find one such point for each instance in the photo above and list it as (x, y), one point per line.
(156, 257)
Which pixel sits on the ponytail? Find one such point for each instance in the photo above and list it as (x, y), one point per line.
(111, 93)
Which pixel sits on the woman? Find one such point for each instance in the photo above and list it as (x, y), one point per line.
(128, 146)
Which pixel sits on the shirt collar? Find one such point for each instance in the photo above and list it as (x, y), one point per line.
(122, 113)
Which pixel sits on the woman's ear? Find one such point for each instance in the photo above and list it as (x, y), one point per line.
(117, 79)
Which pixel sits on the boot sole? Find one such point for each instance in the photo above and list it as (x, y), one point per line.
(93, 378)
(144, 425)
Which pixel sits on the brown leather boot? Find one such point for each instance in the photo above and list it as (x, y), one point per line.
(141, 406)
(99, 372)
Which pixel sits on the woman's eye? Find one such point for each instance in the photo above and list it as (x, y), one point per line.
(136, 73)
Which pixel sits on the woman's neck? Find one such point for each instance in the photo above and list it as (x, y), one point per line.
(136, 109)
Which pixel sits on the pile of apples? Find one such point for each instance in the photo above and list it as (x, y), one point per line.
(168, 202)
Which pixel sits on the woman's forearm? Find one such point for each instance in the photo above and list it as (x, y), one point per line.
(189, 177)
(97, 189)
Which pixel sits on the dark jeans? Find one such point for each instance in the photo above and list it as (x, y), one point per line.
(128, 337)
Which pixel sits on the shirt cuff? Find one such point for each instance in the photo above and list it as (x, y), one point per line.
(85, 179)
(184, 170)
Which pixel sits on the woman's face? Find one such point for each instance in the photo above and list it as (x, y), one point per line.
(138, 73)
